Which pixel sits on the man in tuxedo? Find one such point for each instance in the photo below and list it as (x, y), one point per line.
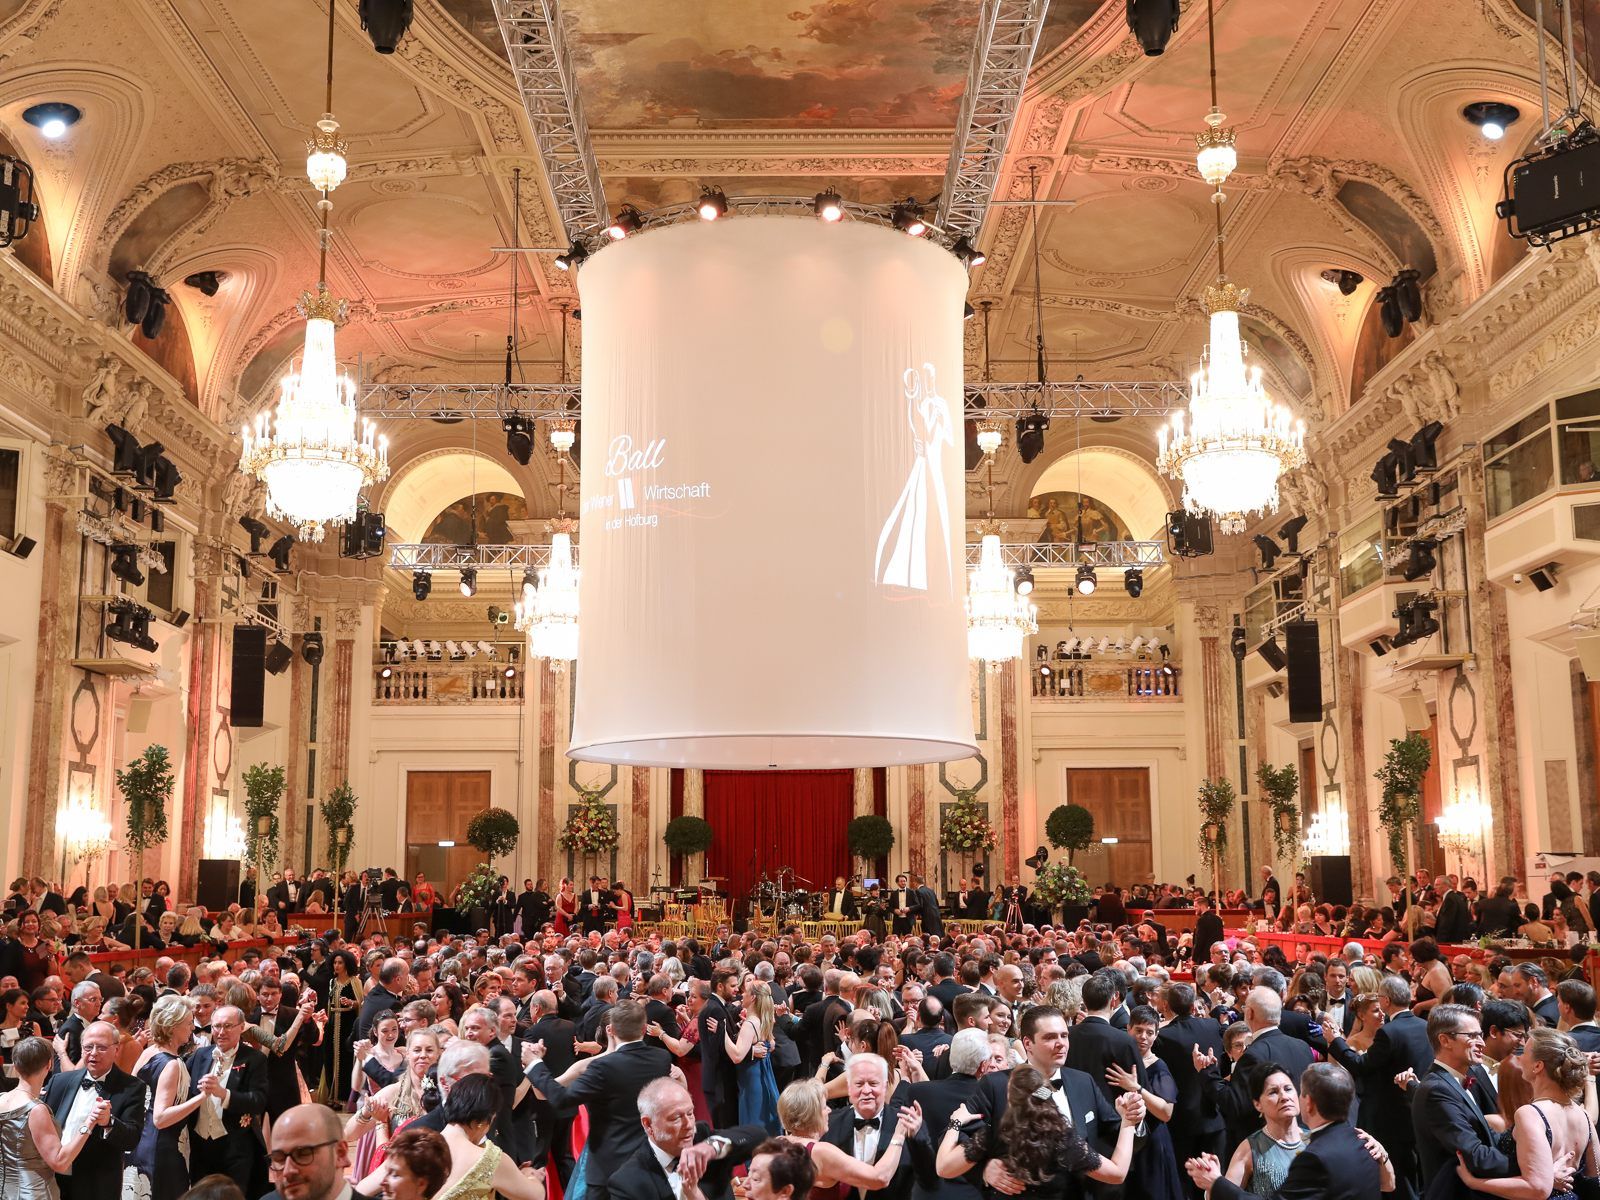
(287, 896)
(1271, 893)
(275, 1019)
(1341, 1002)
(313, 1132)
(1447, 1123)
(1096, 1043)
(719, 1077)
(1207, 929)
(578, 983)
(939, 1099)
(1263, 1010)
(389, 889)
(320, 885)
(1196, 1126)
(592, 906)
(1505, 1031)
(608, 1087)
(601, 998)
(354, 902)
(1401, 1044)
(1453, 925)
(85, 1011)
(932, 919)
(1575, 1003)
(384, 996)
(679, 1150)
(1335, 1164)
(224, 1132)
(929, 1035)
(556, 1034)
(533, 906)
(841, 901)
(904, 906)
(74, 1099)
(481, 1026)
(1499, 914)
(944, 986)
(1532, 987)
(867, 1126)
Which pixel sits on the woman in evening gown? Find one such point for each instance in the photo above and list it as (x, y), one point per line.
(478, 1169)
(758, 1086)
(31, 1151)
(158, 1167)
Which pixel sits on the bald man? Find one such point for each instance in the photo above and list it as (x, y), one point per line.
(313, 1133)
(71, 1095)
(1263, 1009)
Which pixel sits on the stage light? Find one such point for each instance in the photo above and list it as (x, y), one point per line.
(207, 283)
(1273, 654)
(907, 217)
(628, 220)
(256, 530)
(1238, 643)
(1492, 117)
(1408, 291)
(1133, 581)
(828, 205)
(1389, 312)
(279, 553)
(1153, 22)
(434, 648)
(1346, 281)
(311, 649)
(386, 673)
(1290, 533)
(18, 211)
(1105, 644)
(1086, 582)
(1405, 464)
(713, 204)
(1420, 559)
(485, 648)
(124, 451)
(421, 584)
(1030, 435)
(1269, 550)
(469, 581)
(574, 256)
(386, 22)
(125, 564)
(1544, 578)
(1424, 447)
(519, 439)
(52, 118)
(1024, 580)
(130, 624)
(1386, 474)
(509, 672)
(450, 648)
(279, 656)
(968, 253)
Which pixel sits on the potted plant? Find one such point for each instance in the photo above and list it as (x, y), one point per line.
(493, 832)
(1280, 786)
(687, 835)
(478, 891)
(1060, 886)
(870, 837)
(146, 785)
(591, 830)
(1216, 806)
(1070, 827)
(338, 811)
(1400, 808)
(263, 789)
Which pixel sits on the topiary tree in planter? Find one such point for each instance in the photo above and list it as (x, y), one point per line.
(870, 837)
(1280, 786)
(494, 832)
(687, 835)
(146, 785)
(263, 790)
(338, 813)
(1216, 806)
(1070, 827)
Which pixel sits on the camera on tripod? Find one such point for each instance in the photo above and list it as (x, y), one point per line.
(372, 876)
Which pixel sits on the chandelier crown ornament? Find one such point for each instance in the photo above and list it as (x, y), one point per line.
(326, 166)
(1216, 155)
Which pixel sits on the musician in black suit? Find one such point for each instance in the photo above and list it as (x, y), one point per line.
(932, 919)
(866, 1127)
(287, 896)
(225, 1132)
(71, 1097)
(1446, 1122)
(533, 906)
(1263, 1010)
(905, 905)
(675, 1142)
(609, 1087)
(841, 900)
(1401, 1044)
(1335, 1164)
(719, 1076)
(1196, 1125)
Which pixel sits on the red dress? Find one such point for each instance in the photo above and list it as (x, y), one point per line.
(564, 914)
(624, 910)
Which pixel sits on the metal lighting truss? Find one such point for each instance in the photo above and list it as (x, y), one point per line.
(426, 556)
(1008, 34)
(1102, 556)
(1074, 398)
(771, 206)
(470, 401)
(548, 81)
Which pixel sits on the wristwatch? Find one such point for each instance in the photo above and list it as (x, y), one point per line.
(719, 1145)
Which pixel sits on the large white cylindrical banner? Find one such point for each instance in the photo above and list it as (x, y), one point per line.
(773, 513)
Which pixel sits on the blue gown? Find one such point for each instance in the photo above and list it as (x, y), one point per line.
(1154, 1173)
(158, 1167)
(758, 1092)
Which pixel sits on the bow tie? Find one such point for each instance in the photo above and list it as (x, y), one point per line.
(89, 1083)
(672, 1167)
(1057, 1083)
(868, 1122)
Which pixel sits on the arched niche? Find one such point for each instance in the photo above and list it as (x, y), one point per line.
(419, 491)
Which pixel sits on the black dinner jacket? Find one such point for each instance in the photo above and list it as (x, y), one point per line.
(1454, 922)
(719, 1074)
(609, 1087)
(1499, 916)
(1334, 1165)
(1485, 1094)
(1232, 1096)
(642, 1178)
(1446, 1123)
(1096, 1044)
(283, 1084)
(1401, 1043)
(915, 1162)
(847, 906)
(278, 897)
(1094, 1117)
(97, 1171)
(1194, 1113)
(378, 999)
(558, 1035)
(1207, 932)
(247, 1090)
(939, 1099)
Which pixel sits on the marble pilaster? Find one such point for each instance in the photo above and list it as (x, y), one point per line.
(547, 860)
(48, 733)
(694, 805)
(1005, 682)
(861, 799)
(639, 793)
(916, 830)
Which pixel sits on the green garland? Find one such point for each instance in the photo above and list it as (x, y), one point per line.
(1216, 806)
(1280, 786)
(1401, 775)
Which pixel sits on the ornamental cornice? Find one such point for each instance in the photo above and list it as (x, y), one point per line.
(24, 28)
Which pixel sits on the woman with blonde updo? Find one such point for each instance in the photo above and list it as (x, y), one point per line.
(803, 1111)
(159, 1166)
(1552, 1127)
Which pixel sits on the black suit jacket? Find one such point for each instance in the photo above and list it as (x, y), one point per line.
(1232, 1096)
(939, 1099)
(247, 1090)
(1194, 1113)
(1333, 1166)
(609, 1087)
(1482, 1089)
(719, 1075)
(914, 1161)
(1207, 932)
(1446, 1123)
(1454, 922)
(932, 918)
(1402, 1042)
(1499, 916)
(1096, 1044)
(641, 1177)
(847, 902)
(283, 1085)
(278, 897)
(378, 999)
(1094, 1117)
(557, 1034)
(97, 1171)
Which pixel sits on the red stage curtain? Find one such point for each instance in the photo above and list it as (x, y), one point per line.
(766, 820)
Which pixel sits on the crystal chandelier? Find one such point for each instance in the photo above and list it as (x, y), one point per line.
(998, 619)
(548, 610)
(1464, 825)
(325, 162)
(1215, 155)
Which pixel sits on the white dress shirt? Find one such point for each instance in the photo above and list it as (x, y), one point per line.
(82, 1104)
(669, 1165)
(865, 1139)
(209, 1123)
(1059, 1095)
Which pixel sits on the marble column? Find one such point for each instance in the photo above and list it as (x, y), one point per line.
(642, 832)
(547, 862)
(1005, 682)
(48, 736)
(861, 797)
(294, 773)
(694, 805)
(1350, 722)
(915, 834)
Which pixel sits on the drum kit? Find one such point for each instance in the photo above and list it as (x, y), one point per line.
(769, 897)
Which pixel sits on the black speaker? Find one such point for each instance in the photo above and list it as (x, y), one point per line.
(1330, 878)
(278, 658)
(1304, 649)
(1272, 653)
(246, 704)
(218, 883)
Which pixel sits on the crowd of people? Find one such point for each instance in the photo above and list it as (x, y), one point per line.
(587, 1057)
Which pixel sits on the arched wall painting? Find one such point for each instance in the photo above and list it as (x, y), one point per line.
(1060, 513)
(493, 513)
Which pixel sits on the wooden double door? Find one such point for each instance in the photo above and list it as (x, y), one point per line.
(439, 806)
(1119, 798)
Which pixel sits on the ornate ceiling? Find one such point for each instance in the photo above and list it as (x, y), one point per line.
(190, 157)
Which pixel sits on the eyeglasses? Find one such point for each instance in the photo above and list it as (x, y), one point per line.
(302, 1155)
(1472, 1035)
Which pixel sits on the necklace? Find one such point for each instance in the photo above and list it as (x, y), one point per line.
(1288, 1143)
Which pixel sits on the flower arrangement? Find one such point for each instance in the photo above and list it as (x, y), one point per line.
(1216, 806)
(1401, 806)
(480, 888)
(590, 828)
(1058, 884)
(966, 828)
